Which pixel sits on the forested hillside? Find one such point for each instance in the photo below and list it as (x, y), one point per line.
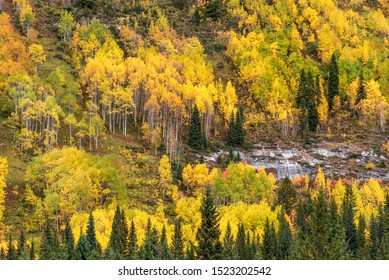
(111, 112)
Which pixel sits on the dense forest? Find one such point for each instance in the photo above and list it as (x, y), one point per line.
(109, 110)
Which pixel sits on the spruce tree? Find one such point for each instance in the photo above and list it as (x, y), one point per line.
(32, 250)
(11, 254)
(150, 244)
(362, 253)
(229, 252)
(93, 244)
(348, 220)
(195, 132)
(22, 252)
(284, 238)
(333, 80)
(240, 244)
(47, 243)
(3, 255)
(177, 246)
(361, 93)
(287, 196)
(374, 240)
(269, 242)
(232, 133)
(119, 234)
(68, 250)
(208, 234)
(164, 252)
(190, 252)
(319, 224)
(132, 252)
(83, 248)
(338, 247)
(214, 9)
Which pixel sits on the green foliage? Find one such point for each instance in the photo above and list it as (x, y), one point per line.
(196, 140)
(287, 196)
(333, 80)
(208, 234)
(177, 245)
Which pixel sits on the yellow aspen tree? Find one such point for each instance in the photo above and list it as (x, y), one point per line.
(3, 175)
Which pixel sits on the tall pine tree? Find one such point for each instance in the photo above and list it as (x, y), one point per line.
(177, 246)
(208, 234)
(195, 131)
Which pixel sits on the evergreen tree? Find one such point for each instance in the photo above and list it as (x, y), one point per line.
(132, 253)
(190, 252)
(119, 234)
(11, 254)
(47, 243)
(177, 246)
(232, 133)
(164, 252)
(362, 253)
(93, 244)
(287, 196)
(150, 244)
(214, 9)
(229, 252)
(240, 243)
(348, 220)
(333, 80)
(68, 250)
(284, 238)
(361, 93)
(83, 248)
(32, 250)
(374, 240)
(22, 252)
(338, 248)
(195, 132)
(208, 234)
(269, 242)
(250, 250)
(319, 224)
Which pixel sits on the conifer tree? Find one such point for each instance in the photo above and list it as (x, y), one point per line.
(150, 244)
(214, 9)
(195, 131)
(229, 252)
(119, 234)
(68, 250)
(338, 247)
(284, 238)
(32, 250)
(361, 92)
(132, 243)
(83, 248)
(374, 240)
(208, 234)
(11, 254)
(22, 251)
(47, 243)
(320, 227)
(287, 196)
(269, 242)
(240, 244)
(93, 244)
(177, 246)
(164, 252)
(333, 80)
(348, 220)
(313, 115)
(232, 133)
(362, 253)
(190, 252)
